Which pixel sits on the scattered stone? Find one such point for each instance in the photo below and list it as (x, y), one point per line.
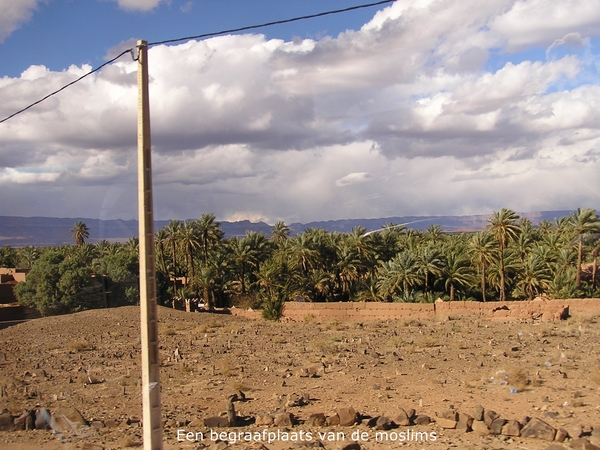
(464, 423)
(574, 431)
(478, 413)
(332, 420)
(489, 416)
(111, 423)
(264, 420)
(422, 419)
(480, 427)
(6, 422)
(402, 419)
(446, 423)
(42, 419)
(582, 444)
(497, 425)
(284, 419)
(449, 414)
(595, 437)
(539, 429)
(555, 447)
(512, 428)
(97, 424)
(196, 422)
(216, 422)
(348, 416)
(384, 423)
(90, 446)
(316, 420)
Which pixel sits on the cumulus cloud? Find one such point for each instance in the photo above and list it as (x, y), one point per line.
(13, 14)
(401, 117)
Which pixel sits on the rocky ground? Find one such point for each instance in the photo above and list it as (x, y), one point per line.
(301, 375)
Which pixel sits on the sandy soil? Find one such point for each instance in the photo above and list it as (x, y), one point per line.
(302, 368)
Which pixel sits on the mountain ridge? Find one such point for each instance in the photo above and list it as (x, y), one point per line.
(50, 231)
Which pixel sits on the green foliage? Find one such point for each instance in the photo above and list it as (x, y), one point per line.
(58, 285)
(8, 257)
(273, 306)
(120, 275)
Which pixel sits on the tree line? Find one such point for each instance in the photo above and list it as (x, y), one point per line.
(510, 259)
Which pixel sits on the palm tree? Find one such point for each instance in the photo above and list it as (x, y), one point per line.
(584, 221)
(430, 262)
(80, 232)
(503, 225)
(397, 276)
(280, 232)
(482, 248)
(209, 233)
(457, 271)
(173, 229)
(189, 240)
(534, 277)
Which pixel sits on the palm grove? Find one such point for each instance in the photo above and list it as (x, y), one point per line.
(510, 259)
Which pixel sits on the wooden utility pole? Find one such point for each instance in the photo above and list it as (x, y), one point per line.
(152, 419)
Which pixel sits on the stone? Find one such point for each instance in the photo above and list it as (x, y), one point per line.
(348, 416)
(216, 422)
(97, 424)
(263, 420)
(196, 422)
(497, 424)
(25, 421)
(480, 427)
(489, 416)
(332, 420)
(512, 428)
(111, 423)
(595, 436)
(383, 423)
(575, 431)
(555, 447)
(539, 429)
(284, 419)
(66, 419)
(422, 419)
(316, 420)
(401, 418)
(561, 435)
(6, 422)
(478, 413)
(42, 419)
(350, 446)
(411, 413)
(464, 423)
(446, 423)
(449, 414)
(91, 446)
(582, 444)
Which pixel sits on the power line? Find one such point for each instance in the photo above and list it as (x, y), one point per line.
(66, 85)
(268, 24)
(201, 36)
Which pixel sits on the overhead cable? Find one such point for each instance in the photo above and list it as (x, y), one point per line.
(67, 85)
(201, 36)
(269, 24)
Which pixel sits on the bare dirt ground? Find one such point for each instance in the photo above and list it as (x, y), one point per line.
(91, 361)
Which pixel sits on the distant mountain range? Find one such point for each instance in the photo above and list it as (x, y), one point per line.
(47, 231)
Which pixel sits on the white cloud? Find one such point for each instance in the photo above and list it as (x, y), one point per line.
(401, 117)
(139, 5)
(13, 14)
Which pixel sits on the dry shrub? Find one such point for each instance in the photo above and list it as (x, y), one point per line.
(309, 318)
(412, 322)
(518, 378)
(79, 345)
(428, 342)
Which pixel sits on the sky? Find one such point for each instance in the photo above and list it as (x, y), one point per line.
(417, 107)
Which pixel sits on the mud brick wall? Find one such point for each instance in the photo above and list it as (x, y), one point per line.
(544, 310)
